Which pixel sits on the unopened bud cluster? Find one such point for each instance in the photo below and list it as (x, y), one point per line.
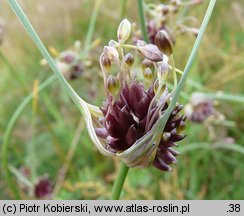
(69, 62)
(201, 109)
(162, 17)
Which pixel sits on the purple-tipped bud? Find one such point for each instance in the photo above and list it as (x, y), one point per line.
(148, 75)
(164, 42)
(106, 62)
(129, 59)
(151, 52)
(111, 53)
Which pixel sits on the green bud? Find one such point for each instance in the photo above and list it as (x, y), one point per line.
(124, 30)
(148, 75)
(164, 42)
(163, 71)
(181, 127)
(166, 136)
(129, 59)
(156, 86)
(113, 85)
(146, 63)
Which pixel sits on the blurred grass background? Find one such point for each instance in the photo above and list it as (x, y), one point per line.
(202, 173)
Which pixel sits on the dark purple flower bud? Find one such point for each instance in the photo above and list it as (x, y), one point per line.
(164, 42)
(43, 188)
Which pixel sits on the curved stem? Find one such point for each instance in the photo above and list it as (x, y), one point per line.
(142, 20)
(119, 182)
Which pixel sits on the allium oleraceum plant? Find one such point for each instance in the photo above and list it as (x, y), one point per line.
(139, 122)
(135, 101)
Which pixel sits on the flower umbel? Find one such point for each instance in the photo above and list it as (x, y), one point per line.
(128, 126)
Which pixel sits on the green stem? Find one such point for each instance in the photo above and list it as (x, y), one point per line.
(142, 20)
(173, 72)
(31, 145)
(163, 120)
(203, 145)
(20, 176)
(225, 96)
(123, 9)
(91, 28)
(119, 182)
